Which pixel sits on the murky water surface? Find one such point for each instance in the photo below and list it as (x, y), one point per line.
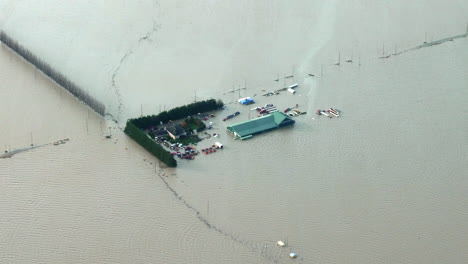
(384, 183)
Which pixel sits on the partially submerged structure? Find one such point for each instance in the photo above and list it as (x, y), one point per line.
(246, 101)
(247, 129)
(176, 131)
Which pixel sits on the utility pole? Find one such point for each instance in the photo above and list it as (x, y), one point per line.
(245, 86)
(339, 59)
(293, 72)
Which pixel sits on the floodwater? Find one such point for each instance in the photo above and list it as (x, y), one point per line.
(384, 183)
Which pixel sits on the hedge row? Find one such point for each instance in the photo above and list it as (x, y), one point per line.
(59, 78)
(150, 145)
(180, 112)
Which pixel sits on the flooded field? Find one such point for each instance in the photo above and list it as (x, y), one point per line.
(384, 183)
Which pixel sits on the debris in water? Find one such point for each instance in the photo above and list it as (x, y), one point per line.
(281, 243)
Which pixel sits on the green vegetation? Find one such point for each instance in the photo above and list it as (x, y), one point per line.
(192, 123)
(180, 112)
(152, 147)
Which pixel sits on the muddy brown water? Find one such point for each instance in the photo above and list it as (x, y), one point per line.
(384, 183)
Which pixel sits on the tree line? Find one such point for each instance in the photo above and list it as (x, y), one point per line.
(180, 112)
(150, 145)
(58, 77)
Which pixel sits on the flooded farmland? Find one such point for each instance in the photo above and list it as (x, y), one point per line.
(384, 183)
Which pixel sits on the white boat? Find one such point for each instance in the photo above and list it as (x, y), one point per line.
(324, 113)
(333, 112)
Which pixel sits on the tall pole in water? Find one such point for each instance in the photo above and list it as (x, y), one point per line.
(32, 144)
(339, 59)
(293, 72)
(245, 86)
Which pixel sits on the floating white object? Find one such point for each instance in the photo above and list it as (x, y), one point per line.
(281, 243)
(291, 90)
(292, 255)
(293, 86)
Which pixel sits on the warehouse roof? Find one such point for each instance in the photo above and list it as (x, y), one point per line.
(261, 124)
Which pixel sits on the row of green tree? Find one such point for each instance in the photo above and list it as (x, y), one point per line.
(180, 112)
(56, 76)
(150, 145)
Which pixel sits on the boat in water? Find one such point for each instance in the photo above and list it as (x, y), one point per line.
(330, 112)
